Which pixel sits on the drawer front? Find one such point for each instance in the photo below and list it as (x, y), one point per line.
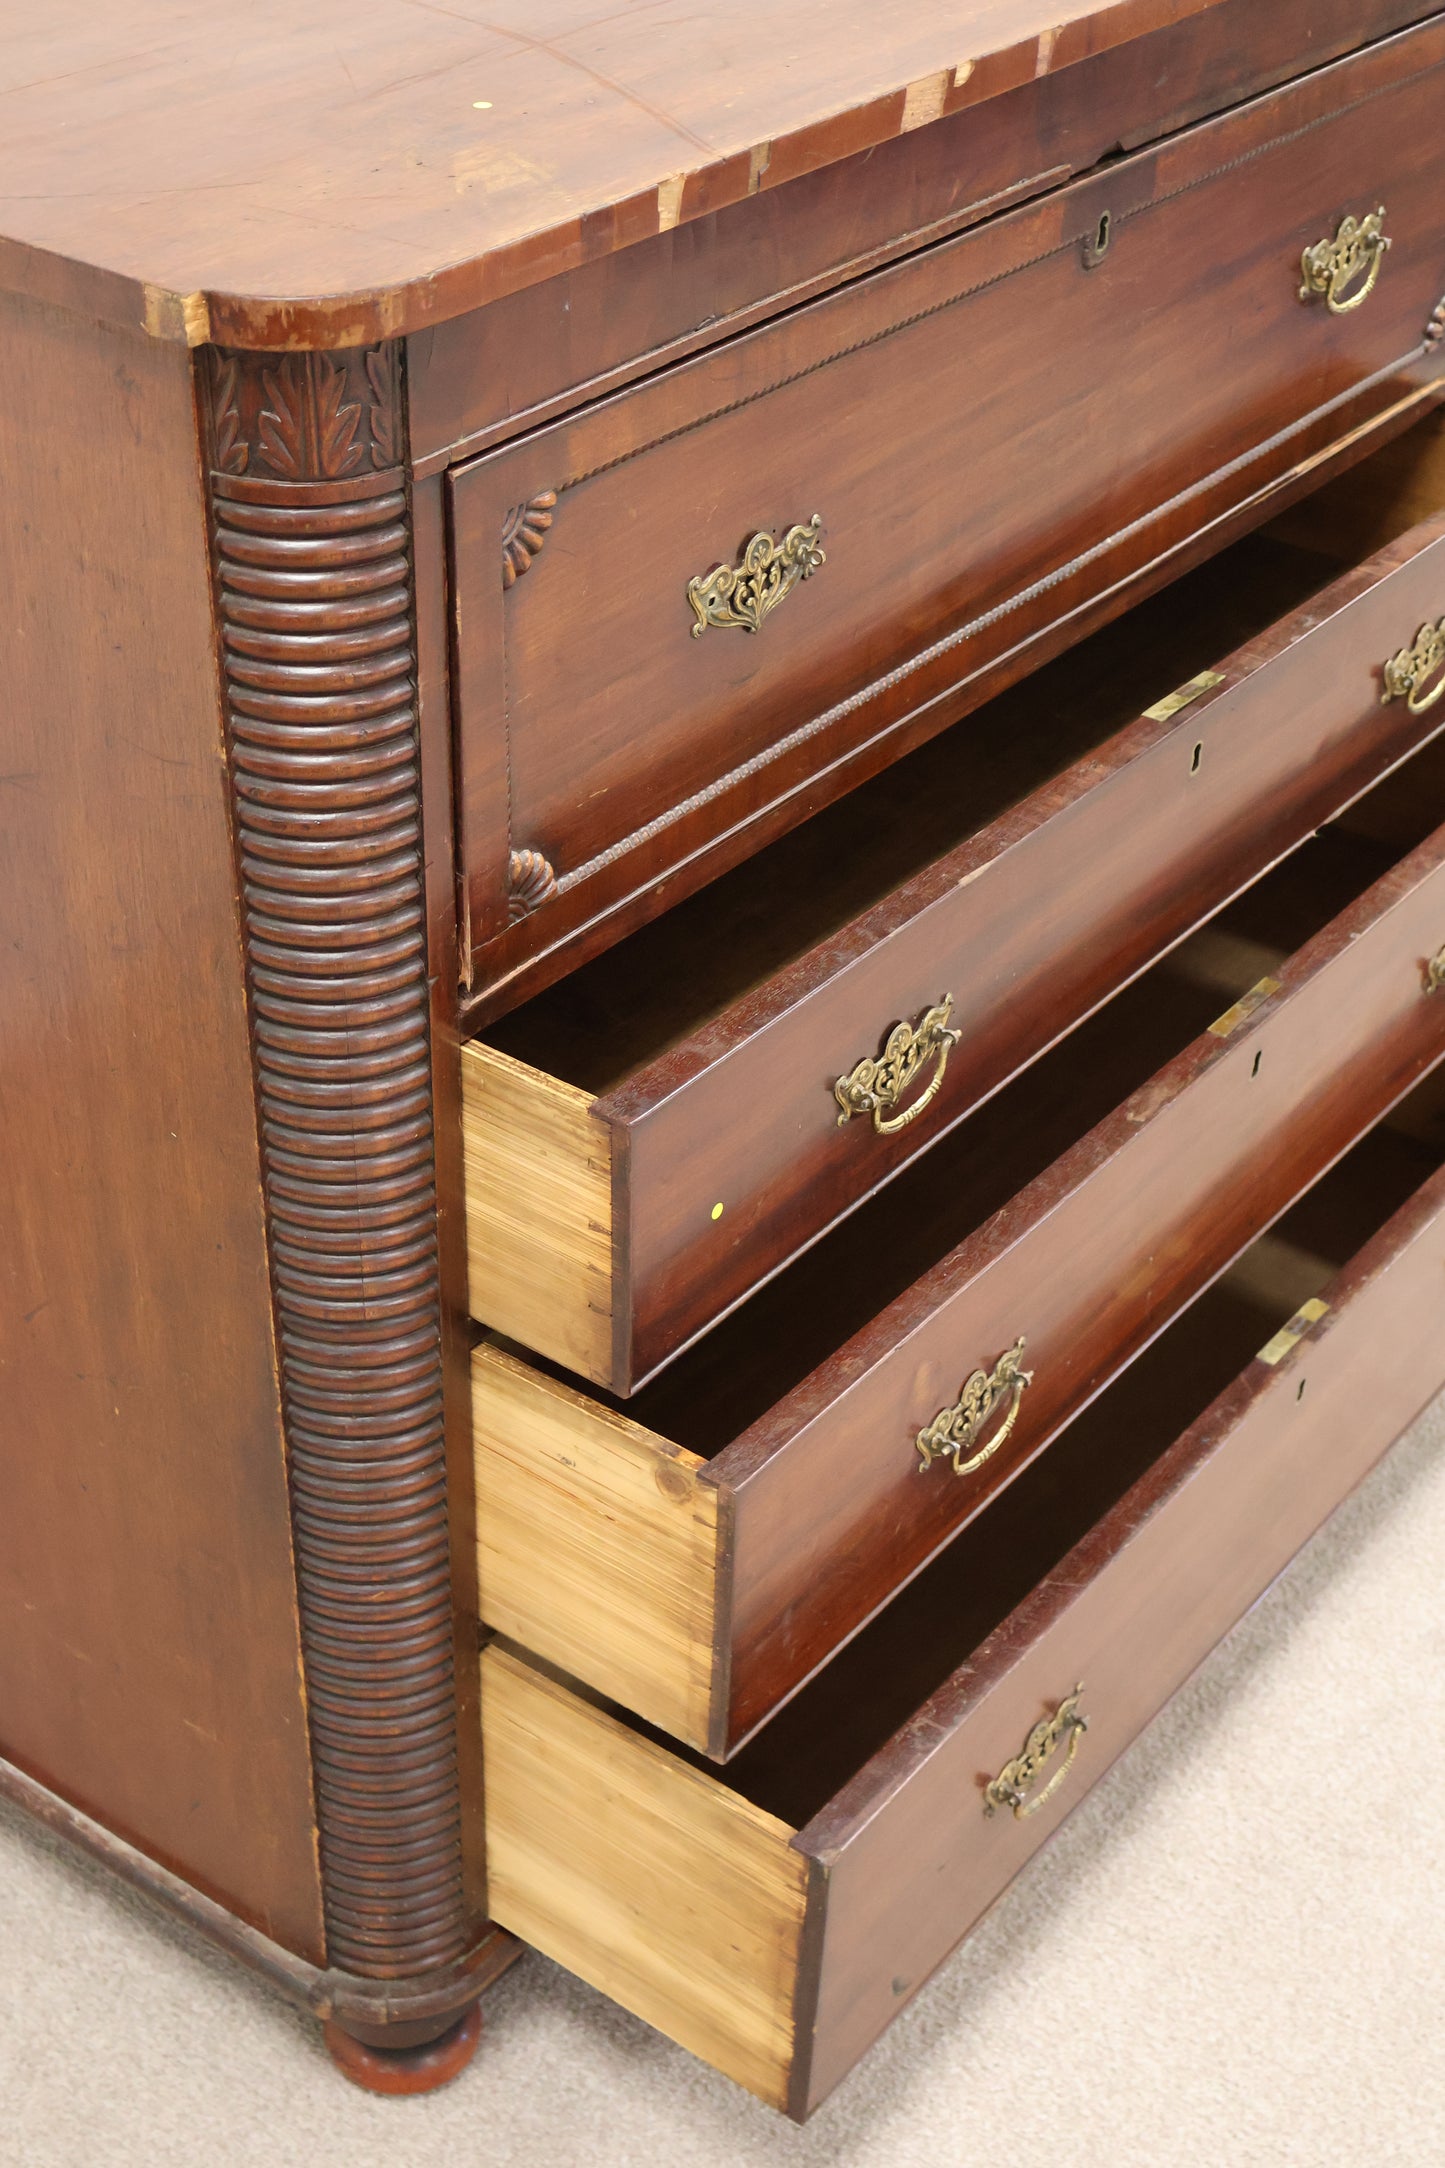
(519, 359)
(1085, 1266)
(781, 1954)
(703, 1595)
(912, 1859)
(954, 423)
(1027, 928)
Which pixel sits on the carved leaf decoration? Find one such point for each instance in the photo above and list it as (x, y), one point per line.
(524, 530)
(531, 881)
(281, 430)
(231, 452)
(383, 407)
(336, 422)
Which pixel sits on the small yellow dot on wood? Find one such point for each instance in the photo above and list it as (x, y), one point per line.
(717, 1211)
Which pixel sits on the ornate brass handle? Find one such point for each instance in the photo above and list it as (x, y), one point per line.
(1407, 674)
(1333, 268)
(1010, 1787)
(955, 1430)
(743, 594)
(875, 1086)
(1435, 973)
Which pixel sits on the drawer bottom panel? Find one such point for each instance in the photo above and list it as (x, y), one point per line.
(775, 1923)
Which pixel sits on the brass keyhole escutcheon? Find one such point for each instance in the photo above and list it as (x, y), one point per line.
(1435, 973)
(955, 1430)
(1096, 244)
(1342, 272)
(1416, 674)
(875, 1085)
(1012, 1787)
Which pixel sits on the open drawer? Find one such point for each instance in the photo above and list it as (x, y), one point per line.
(775, 1920)
(698, 1552)
(648, 1142)
(694, 611)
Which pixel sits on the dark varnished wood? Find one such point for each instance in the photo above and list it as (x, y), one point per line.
(439, 861)
(963, 511)
(1118, 1564)
(319, 646)
(256, 192)
(266, 1712)
(150, 1668)
(1088, 1263)
(399, 2072)
(1087, 1241)
(713, 1038)
(366, 2007)
(1131, 1611)
(1364, 430)
(513, 363)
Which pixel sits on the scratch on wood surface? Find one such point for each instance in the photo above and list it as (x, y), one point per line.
(760, 158)
(1048, 39)
(923, 101)
(497, 170)
(669, 201)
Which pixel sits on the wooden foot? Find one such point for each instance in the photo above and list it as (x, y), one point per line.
(405, 2069)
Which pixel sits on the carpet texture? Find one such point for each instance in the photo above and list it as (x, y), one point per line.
(1233, 1953)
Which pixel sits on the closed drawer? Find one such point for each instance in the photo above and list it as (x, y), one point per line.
(472, 378)
(954, 422)
(696, 1554)
(774, 1922)
(651, 1140)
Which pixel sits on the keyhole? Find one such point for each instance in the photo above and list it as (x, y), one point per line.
(1259, 1057)
(1095, 245)
(1198, 757)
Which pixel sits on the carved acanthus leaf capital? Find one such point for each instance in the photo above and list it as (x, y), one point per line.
(305, 417)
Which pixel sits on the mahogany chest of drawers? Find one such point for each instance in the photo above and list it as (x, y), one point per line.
(723, 899)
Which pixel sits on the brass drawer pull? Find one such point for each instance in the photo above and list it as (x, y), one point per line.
(1010, 1787)
(875, 1085)
(1435, 973)
(954, 1431)
(743, 594)
(1407, 674)
(1334, 268)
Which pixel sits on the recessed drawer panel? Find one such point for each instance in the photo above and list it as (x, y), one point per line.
(775, 1921)
(651, 1140)
(695, 604)
(699, 1552)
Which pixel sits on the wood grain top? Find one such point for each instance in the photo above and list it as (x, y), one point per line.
(359, 168)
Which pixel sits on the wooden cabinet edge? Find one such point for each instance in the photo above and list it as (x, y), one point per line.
(598, 1545)
(539, 1211)
(647, 1878)
(310, 517)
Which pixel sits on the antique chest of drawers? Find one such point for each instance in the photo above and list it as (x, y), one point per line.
(723, 891)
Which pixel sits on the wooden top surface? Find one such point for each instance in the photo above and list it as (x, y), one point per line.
(284, 175)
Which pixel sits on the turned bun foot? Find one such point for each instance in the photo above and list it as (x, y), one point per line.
(418, 2069)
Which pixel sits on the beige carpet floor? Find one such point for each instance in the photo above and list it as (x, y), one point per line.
(1233, 1953)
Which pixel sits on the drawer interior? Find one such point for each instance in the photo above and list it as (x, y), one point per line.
(850, 1709)
(796, 1321)
(627, 1007)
